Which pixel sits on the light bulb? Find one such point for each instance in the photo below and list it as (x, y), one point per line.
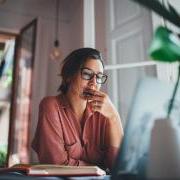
(56, 52)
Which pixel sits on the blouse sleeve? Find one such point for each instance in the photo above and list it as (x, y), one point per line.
(48, 141)
(111, 154)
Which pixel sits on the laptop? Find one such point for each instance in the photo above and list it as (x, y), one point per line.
(150, 102)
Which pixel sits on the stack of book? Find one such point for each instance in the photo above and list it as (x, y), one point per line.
(55, 170)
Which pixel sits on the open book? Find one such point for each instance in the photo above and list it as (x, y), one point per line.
(57, 170)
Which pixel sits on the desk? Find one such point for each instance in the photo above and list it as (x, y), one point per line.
(20, 176)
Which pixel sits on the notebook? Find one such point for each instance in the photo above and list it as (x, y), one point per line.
(150, 102)
(56, 170)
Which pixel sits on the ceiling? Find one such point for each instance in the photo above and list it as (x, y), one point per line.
(2, 1)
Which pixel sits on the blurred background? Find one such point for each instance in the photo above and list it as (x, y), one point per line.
(29, 32)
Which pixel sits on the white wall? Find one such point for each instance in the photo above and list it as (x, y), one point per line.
(17, 13)
(71, 37)
(100, 27)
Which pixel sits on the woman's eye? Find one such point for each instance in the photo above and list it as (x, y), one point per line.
(86, 74)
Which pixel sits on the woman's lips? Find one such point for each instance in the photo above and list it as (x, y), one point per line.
(88, 92)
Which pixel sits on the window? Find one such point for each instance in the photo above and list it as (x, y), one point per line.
(123, 33)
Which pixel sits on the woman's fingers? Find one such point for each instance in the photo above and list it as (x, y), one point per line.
(95, 93)
(95, 105)
(96, 98)
(100, 102)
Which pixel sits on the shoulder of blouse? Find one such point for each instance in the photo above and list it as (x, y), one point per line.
(48, 102)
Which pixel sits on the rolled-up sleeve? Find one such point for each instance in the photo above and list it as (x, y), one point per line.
(110, 156)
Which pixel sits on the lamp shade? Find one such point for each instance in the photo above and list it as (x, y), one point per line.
(165, 46)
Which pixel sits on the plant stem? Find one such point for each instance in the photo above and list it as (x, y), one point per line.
(170, 107)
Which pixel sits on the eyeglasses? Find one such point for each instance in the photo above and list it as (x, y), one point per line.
(88, 74)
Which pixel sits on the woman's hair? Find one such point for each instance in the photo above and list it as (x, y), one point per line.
(73, 62)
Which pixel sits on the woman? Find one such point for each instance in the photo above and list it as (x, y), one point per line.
(80, 126)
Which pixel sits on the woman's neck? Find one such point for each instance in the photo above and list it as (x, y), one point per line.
(77, 104)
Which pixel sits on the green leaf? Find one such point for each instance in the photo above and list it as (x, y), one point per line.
(160, 9)
(173, 11)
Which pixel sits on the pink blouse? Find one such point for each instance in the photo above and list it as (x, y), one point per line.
(61, 139)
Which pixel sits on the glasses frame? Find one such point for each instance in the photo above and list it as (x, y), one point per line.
(94, 74)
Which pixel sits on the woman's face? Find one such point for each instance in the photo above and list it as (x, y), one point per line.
(81, 81)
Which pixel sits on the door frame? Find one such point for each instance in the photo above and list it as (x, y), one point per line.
(15, 86)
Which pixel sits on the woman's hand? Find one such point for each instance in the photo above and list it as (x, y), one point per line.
(100, 101)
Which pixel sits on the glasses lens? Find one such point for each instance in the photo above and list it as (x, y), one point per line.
(86, 74)
(101, 78)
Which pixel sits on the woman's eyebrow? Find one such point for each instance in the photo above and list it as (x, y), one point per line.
(92, 70)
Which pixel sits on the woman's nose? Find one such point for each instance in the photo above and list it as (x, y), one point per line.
(92, 82)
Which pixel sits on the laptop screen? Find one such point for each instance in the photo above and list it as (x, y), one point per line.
(150, 102)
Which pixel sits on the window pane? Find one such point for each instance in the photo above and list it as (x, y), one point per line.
(6, 76)
(121, 85)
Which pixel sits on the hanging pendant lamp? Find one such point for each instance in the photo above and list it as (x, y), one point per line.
(56, 52)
